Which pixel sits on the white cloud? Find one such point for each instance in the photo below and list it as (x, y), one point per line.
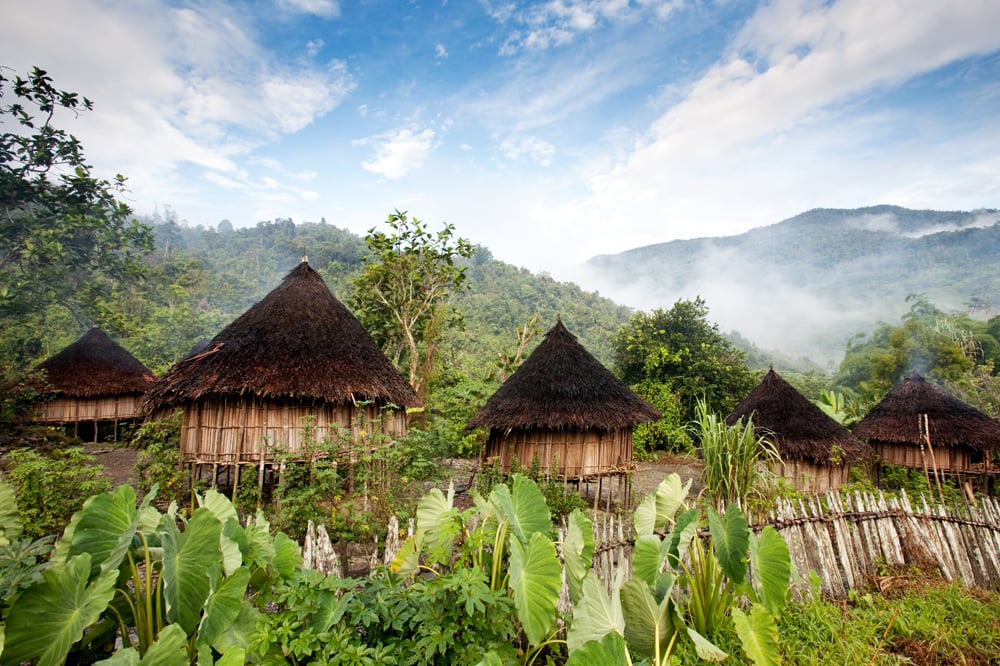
(398, 152)
(324, 8)
(440, 51)
(532, 147)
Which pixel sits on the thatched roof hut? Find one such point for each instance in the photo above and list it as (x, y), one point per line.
(916, 410)
(565, 408)
(816, 451)
(298, 355)
(92, 381)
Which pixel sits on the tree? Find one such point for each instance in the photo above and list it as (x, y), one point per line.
(64, 235)
(402, 294)
(682, 349)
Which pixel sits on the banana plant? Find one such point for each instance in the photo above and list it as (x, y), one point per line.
(125, 570)
(509, 535)
(685, 587)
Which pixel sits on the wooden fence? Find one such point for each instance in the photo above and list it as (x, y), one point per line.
(851, 541)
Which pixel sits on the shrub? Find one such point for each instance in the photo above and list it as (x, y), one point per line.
(50, 488)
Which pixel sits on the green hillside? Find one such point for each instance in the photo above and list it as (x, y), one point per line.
(808, 283)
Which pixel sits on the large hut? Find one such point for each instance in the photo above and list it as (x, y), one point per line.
(565, 409)
(93, 386)
(920, 425)
(296, 368)
(816, 451)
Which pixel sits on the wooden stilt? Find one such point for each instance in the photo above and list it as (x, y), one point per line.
(236, 481)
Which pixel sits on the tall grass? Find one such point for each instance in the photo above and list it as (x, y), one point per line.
(738, 462)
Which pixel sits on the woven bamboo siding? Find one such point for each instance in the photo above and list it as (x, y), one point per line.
(79, 410)
(809, 477)
(948, 459)
(234, 431)
(575, 454)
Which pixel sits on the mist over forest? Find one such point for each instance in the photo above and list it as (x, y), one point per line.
(806, 285)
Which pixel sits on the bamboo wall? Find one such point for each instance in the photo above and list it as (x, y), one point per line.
(948, 458)
(233, 431)
(63, 409)
(576, 454)
(851, 540)
(808, 477)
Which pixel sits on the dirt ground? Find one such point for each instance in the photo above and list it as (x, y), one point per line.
(119, 464)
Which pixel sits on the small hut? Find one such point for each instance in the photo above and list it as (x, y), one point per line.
(565, 409)
(93, 386)
(816, 451)
(920, 425)
(296, 368)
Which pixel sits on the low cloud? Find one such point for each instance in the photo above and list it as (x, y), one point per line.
(399, 152)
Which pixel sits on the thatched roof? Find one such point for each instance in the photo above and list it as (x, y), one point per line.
(299, 342)
(799, 429)
(95, 365)
(561, 386)
(897, 417)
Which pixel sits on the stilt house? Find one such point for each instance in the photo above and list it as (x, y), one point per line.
(565, 408)
(296, 367)
(92, 386)
(816, 451)
(920, 425)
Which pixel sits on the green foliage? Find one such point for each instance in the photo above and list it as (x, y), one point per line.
(449, 619)
(51, 486)
(738, 462)
(680, 349)
(65, 235)
(687, 592)
(168, 586)
(402, 295)
(668, 433)
(159, 460)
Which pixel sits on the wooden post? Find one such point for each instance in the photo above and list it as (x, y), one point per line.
(925, 424)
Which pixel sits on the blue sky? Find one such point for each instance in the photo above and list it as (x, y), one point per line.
(546, 131)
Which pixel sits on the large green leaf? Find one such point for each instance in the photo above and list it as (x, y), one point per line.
(609, 651)
(647, 558)
(48, 618)
(758, 634)
(103, 528)
(596, 614)
(535, 578)
(682, 535)
(524, 508)
(231, 540)
(578, 552)
(647, 623)
(10, 522)
(223, 607)
(287, 555)
(192, 559)
(730, 540)
(771, 564)
(706, 649)
(436, 524)
(656, 512)
(169, 649)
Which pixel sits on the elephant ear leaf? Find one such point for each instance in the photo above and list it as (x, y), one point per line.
(730, 540)
(103, 528)
(656, 512)
(191, 560)
(535, 578)
(758, 634)
(10, 521)
(578, 552)
(48, 618)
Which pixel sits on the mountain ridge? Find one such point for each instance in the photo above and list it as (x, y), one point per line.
(808, 283)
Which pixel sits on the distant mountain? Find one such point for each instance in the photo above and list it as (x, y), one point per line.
(805, 285)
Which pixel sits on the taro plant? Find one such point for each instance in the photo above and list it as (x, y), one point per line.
(508, 536)
(691, 584)
(166, 585)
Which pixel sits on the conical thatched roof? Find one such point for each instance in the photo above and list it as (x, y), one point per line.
(897, 417)
(298, 342)
(799, 429)
(562, 386)
(96, 365)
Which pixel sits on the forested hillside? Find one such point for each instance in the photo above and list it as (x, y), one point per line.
(807, 284)
(199, 279)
